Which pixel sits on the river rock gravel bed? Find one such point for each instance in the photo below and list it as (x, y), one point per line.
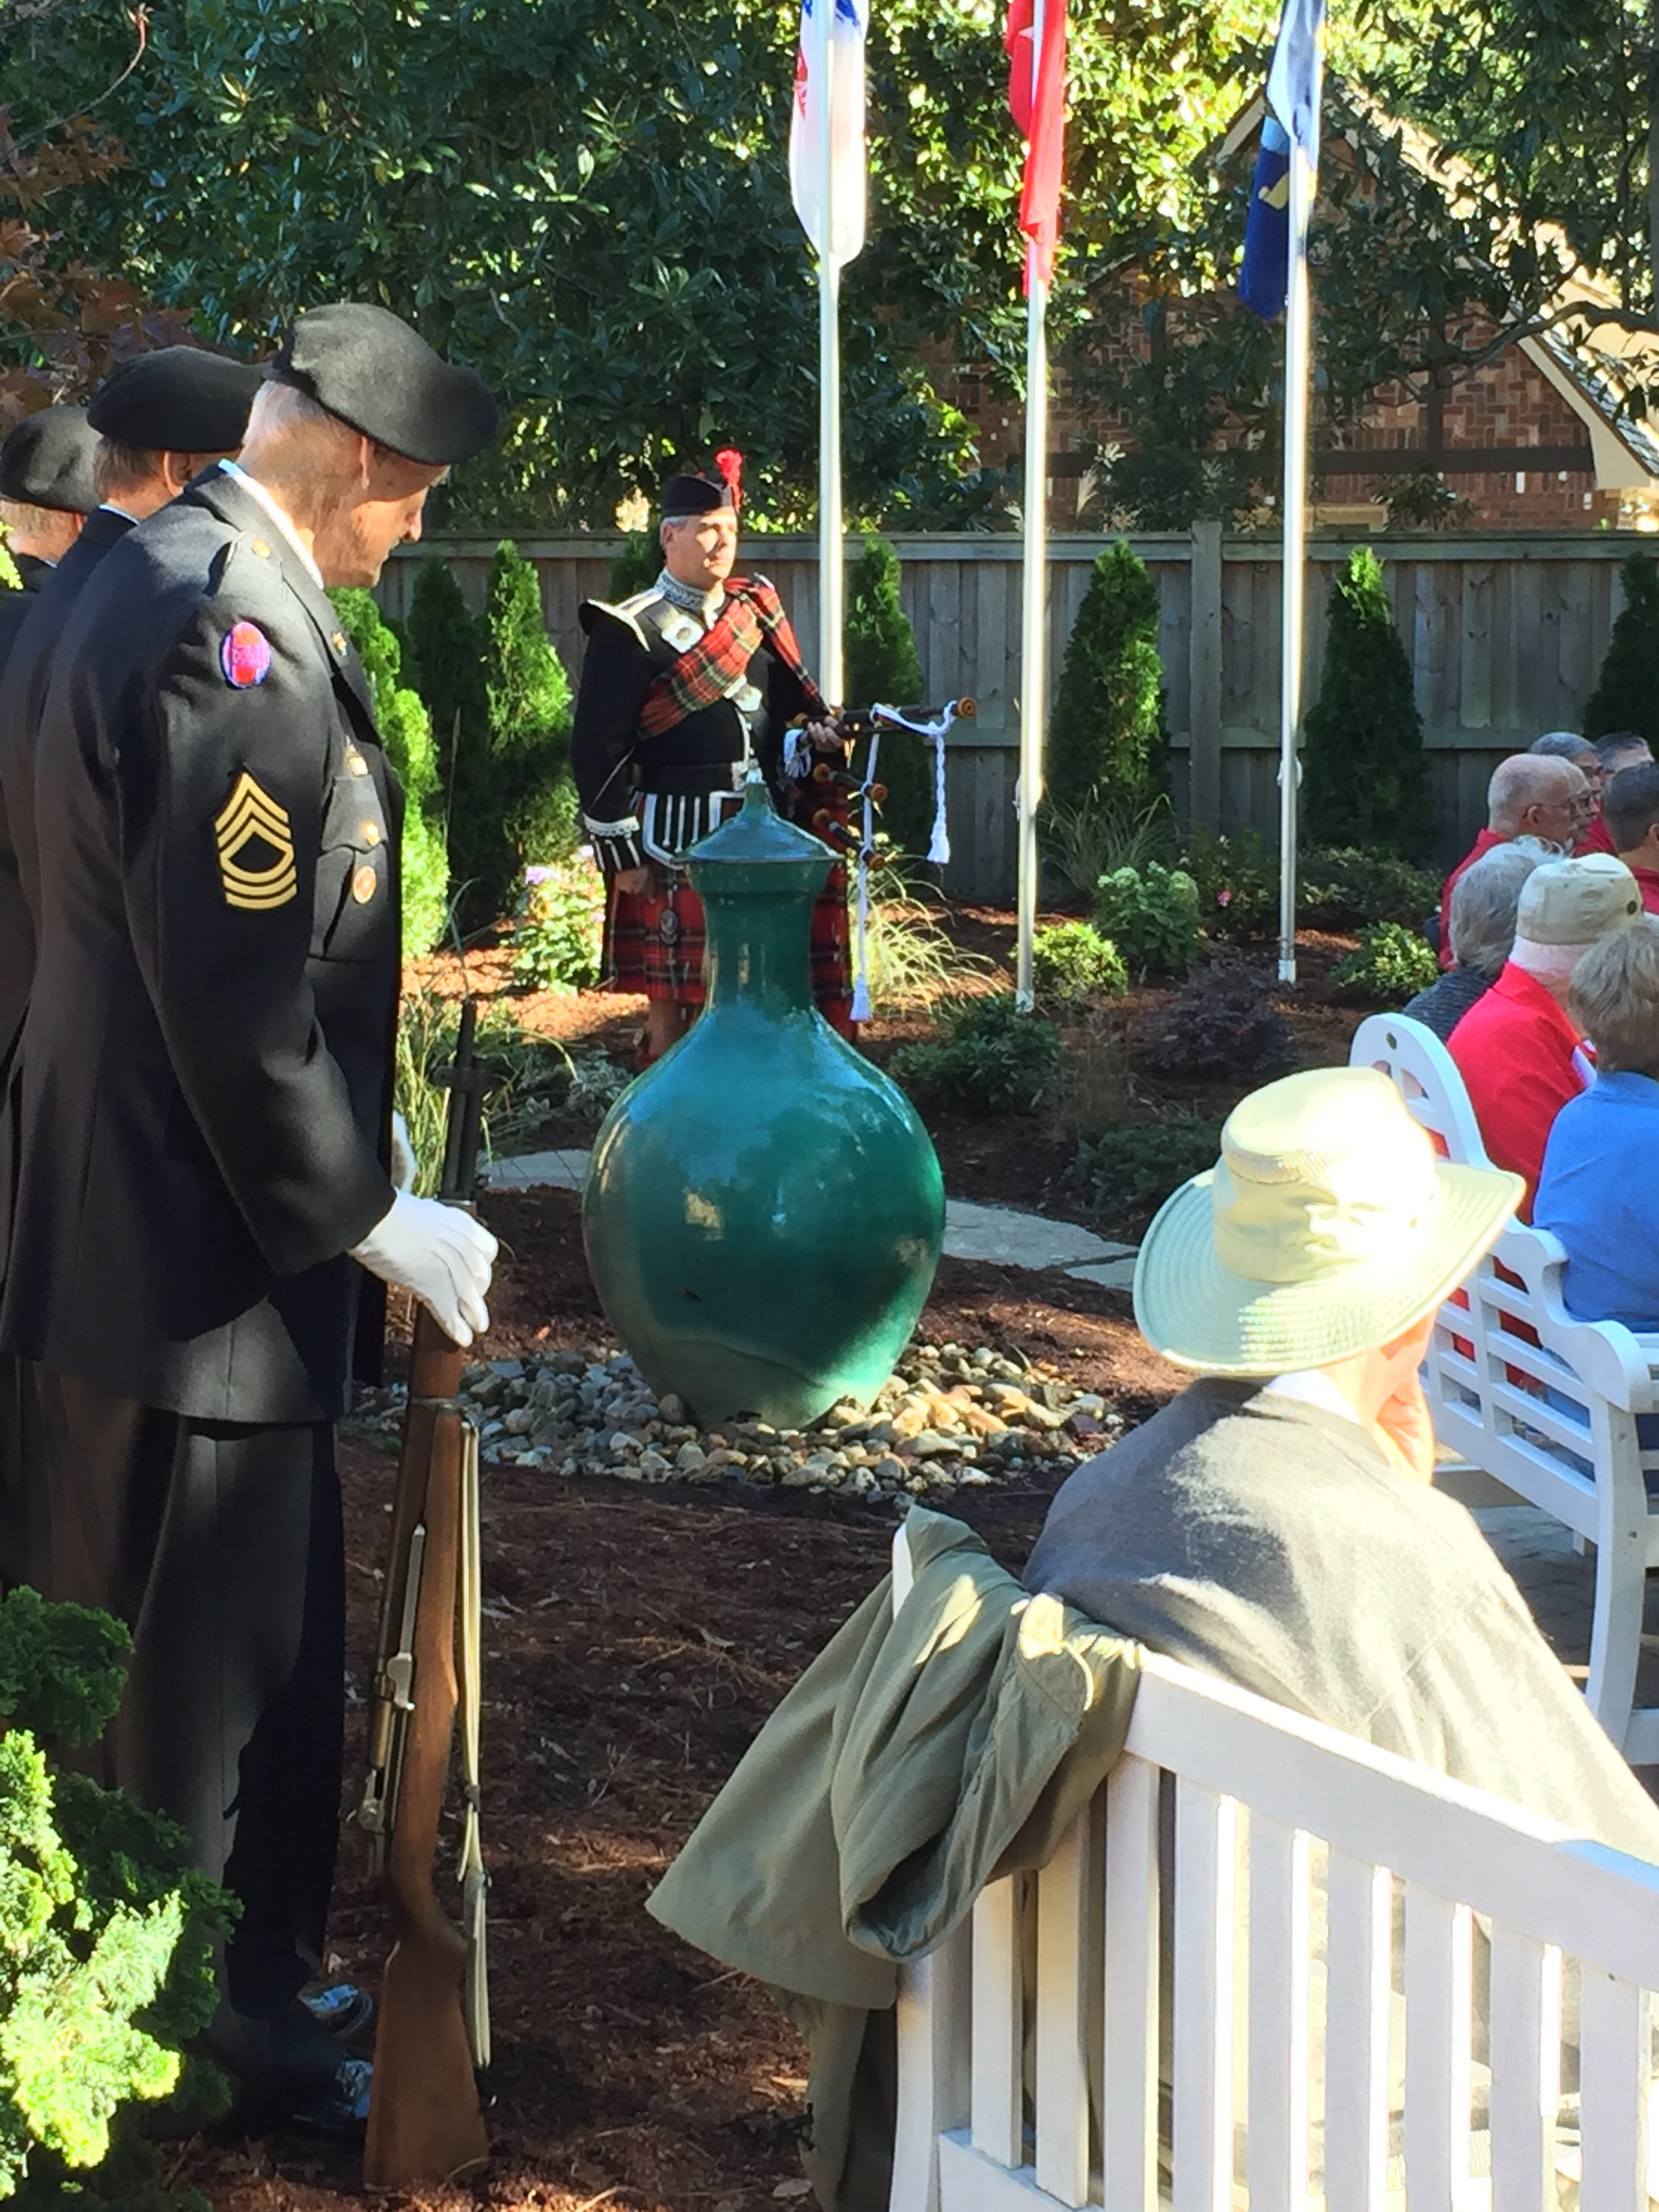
(952, 1416)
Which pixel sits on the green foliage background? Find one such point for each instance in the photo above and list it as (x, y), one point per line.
(528, 695)
(405, 730)
(1105, 737)
(880, 662)
(1626, 694)
(1365, 772)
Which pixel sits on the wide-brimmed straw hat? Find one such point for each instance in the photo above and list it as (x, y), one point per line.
(1327, 1227)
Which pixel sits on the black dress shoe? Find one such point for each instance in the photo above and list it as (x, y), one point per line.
(342, 2009)
(340, 2112)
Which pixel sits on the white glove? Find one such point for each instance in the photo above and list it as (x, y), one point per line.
(440, 1255)
(404, 1165)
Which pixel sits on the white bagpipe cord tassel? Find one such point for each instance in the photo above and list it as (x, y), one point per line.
(867, 843)
(938, 851)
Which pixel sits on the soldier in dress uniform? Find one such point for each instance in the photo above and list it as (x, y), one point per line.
(46, 493)
(682, 686)
(198, 1131)
(159, 420)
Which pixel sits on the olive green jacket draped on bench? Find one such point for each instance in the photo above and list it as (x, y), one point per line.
(918, 1758)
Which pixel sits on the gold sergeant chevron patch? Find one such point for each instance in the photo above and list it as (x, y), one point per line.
(253, 829)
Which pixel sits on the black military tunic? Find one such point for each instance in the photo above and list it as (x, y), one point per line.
(198, 1115)
(22, 701)
(15, 606)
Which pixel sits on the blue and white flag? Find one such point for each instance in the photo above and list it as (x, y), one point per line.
(1297, 73)
(848, 21)
(1263, 280)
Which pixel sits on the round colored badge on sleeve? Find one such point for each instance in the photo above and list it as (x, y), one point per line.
(244, 655)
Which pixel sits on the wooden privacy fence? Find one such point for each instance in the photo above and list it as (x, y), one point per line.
(1505, 637)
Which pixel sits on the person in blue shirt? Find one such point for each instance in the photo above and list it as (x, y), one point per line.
(1599, 1191)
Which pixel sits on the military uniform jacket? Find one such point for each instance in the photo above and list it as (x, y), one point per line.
(22, 700)
(15, 606)
(650, 798)
(198, 1109)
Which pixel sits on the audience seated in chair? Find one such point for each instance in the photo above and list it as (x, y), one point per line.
(1618, 751)
(1516, 1048)
(1274, 1525)
(1599, 1192)
(1630, 811)
(1482, 931)
(1530, 795)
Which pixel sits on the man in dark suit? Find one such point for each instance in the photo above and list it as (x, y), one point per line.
(160, 419)
(199, 1123)
(46, 492)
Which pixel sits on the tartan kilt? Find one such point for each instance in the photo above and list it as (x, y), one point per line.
(654, 943)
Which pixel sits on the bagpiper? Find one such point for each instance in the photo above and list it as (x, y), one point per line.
(682, 686)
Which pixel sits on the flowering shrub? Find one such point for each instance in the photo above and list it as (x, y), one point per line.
(557, 936)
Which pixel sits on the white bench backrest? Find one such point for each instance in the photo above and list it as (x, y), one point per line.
(1292, 1847)
(1426, 1075)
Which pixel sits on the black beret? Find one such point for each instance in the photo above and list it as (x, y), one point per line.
(683, 496)
(179, 400)
(47, 461)
(368, 367)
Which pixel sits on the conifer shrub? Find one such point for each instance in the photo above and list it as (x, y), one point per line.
(405, 730)
(530, 715)
(1365, 773)
(1105, 734)
(106, 1936)
(447, 644)
(882, 663)
(1626, 694)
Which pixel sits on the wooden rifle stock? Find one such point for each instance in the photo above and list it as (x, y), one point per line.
(424, 2121)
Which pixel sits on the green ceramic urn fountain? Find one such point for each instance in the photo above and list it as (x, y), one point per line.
(763, 1210)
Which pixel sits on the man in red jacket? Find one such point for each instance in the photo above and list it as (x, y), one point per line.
(1516, 1048)
(1530, 795)
(1630, 811)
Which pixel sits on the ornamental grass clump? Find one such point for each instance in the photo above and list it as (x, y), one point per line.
(106, 1936)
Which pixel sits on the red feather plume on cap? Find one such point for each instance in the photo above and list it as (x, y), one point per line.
(729, 462)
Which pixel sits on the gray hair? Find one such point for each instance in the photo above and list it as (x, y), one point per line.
(1521, 781)
(1626, 746)
(1563, 745)
(1483, 901)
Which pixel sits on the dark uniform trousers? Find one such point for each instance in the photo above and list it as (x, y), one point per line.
(194, 1131)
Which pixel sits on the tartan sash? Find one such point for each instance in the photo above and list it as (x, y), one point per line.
(709, 671)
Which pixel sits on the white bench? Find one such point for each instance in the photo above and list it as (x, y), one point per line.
(1298, 2077)
(1546, 1404)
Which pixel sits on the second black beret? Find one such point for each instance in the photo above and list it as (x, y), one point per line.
(178, 400)
(47, 461)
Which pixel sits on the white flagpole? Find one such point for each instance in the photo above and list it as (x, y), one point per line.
(1034, 620)
(1294, 512)
(830, 531)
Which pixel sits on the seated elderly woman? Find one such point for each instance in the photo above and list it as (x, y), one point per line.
(1483, 908)
(1599, 1191)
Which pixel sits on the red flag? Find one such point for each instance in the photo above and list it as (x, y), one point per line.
(1040, 113)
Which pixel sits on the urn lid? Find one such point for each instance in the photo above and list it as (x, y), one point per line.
(757, 853)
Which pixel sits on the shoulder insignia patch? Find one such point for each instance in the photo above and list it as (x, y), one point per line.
(244, 655)
(255, 842)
